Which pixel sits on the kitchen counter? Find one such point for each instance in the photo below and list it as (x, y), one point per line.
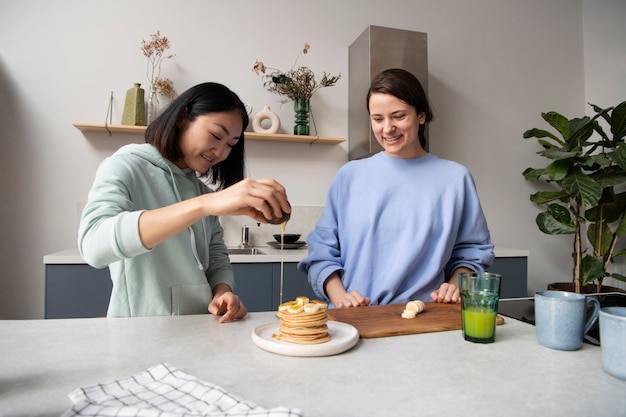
(434, 374)
(71, 256)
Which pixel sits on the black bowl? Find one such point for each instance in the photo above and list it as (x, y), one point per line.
(288, 238)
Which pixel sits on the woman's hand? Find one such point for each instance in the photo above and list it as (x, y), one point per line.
(255, 198)
(227, 304)
(351, 299)
(258, 199)
(340, 297)
(447, 293)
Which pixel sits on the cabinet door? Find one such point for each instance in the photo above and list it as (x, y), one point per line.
(514, 273)
(76, 291)
(253, 285)
(295, 283)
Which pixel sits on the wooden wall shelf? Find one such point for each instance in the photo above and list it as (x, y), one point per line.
(277, 137)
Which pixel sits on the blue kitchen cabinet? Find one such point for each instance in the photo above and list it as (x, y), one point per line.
(76, 291)
(295, 284)
(254, 285)
(514, 272)
(258, 284)
(79, 290)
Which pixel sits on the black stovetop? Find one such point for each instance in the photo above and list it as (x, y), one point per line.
(524, 309)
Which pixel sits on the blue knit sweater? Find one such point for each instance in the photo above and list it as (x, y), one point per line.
(395, 229)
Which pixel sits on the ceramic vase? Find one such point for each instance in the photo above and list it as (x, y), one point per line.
(260, 117)
(134, 110)
(152, 107)
(302, 107)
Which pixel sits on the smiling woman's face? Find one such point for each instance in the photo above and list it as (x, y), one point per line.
(208, 140)
(396, 125)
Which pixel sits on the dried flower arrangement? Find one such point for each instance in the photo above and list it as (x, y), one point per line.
(154, 50)
(295, 84)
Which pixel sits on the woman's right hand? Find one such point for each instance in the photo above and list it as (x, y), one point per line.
(340, 297)
(258, 199)
(352, 299)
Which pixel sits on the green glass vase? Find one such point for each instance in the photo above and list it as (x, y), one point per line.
(302, 107)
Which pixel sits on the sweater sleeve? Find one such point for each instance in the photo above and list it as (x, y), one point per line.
(109, 226)
(220, 270)
(473, 247)
(324, 255)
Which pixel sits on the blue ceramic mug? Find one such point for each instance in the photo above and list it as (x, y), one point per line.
(561, 319)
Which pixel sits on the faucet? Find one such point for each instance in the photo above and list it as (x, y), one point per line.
(244, 238)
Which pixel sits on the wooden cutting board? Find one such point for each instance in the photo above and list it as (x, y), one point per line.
(386, 320)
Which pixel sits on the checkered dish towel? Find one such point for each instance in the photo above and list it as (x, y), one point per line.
(164, 391)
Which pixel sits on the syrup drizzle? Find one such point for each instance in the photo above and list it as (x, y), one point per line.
(282, 244)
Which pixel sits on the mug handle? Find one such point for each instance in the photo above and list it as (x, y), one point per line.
(594, 314)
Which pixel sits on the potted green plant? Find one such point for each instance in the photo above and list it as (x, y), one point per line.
(586, 195)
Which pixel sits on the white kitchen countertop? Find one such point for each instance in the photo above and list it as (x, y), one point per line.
(434, 374)
(71, 256)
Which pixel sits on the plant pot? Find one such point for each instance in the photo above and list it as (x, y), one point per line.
(586, 289)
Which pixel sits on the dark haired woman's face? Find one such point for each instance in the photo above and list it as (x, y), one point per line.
(396, 124)
(208, 140)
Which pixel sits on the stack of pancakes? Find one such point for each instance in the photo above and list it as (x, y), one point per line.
(303, 321)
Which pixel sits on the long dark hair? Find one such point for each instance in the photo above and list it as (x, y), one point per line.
(406, 87)
(164, 132)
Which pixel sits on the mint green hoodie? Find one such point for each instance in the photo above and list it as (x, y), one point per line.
(175, 277)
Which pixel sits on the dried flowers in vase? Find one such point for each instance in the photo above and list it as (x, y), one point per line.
(297, 83)
(154, 50)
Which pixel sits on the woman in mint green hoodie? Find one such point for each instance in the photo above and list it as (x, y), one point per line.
(155, 224)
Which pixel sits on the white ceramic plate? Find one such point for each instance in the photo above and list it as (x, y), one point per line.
(343, 337)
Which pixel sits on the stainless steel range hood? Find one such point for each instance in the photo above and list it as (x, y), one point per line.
(375, 50)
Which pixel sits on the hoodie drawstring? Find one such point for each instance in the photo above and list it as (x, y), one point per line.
(194, 249)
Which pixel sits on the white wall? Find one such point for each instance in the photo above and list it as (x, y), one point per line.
(604, 27)
(494, 67)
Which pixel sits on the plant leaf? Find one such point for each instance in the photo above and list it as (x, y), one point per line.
(542, 197)
(583, 187)
(558, 170)
(556, 220)
(618, 277)
(580, 129)
(557, 154)
(602, 247)
(618, 122)
(532, 174)
(540, 133)
(619, 155)
(559, 122)
(592, 269)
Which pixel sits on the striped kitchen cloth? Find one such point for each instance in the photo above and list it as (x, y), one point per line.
(165, 391)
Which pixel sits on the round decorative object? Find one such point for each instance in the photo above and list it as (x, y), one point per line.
(266, 114)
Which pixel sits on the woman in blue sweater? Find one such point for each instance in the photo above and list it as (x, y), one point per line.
(402, 224)
(155, 224)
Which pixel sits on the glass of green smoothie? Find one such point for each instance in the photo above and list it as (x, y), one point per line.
(480, 293)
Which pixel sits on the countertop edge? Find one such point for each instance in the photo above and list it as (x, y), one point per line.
(72, 256)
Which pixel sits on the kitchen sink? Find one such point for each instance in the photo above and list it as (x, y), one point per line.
(245, 251)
